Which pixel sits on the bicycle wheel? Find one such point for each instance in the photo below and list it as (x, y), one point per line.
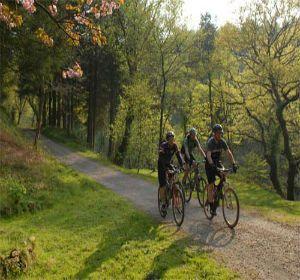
(206, 205)
(162, 212)
(230, 207)
(200, 190)
(188, 189)
(182, 189)
(177, 205)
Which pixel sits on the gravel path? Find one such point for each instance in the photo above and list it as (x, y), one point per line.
(256, 248)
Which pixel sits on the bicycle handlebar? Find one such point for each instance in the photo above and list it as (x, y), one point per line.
(225, 170)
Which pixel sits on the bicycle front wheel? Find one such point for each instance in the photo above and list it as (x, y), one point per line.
(161, 201)
(200, 191)
(188, 189)
(230, 207)
(206, 204)
(177, 205)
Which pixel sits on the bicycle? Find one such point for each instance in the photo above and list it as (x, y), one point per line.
(195, 183)
(174, 194)
(230, 201)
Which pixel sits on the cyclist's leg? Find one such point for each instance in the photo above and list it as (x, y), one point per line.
(162, 181)
(186, 170)
(211, 178)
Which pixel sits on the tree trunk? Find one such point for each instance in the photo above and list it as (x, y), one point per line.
(44, 111)
(122, 150)
(72, 113)
(112, 116)
(21, 109)
(211, 108)
(161, 120)
(292, 165)
(50, 107)
(64, 111)
(120, 157)
(59, 110)
(273, 163)
(162, 100)
(54, 112)
(39, 116)
(91, 125)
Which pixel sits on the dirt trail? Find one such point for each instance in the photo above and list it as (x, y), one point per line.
(257, 249)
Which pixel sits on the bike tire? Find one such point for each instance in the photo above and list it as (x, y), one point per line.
(181, 188)
(206, 206)
(188, 190)
(230, 193)
(178, 205)
(200, 191)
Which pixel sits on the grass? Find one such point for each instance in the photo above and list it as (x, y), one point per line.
(88, 232)
(91, 232)
(253, 197)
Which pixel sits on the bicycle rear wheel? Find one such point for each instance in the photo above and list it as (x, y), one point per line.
(162, 212)
(200, 190)
(206, 205)
(177, 205)
(230, 207)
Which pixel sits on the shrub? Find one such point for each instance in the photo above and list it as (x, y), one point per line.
(255, 168)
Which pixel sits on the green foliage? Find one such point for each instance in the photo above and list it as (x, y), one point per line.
(142, 148)
(91, 232)
(255, 168)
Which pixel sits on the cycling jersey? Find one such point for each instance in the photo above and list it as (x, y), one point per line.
(189, 144)
(216, 148)
(166, 153)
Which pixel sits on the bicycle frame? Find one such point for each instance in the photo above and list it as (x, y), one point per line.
(223, 176)
(172, 178)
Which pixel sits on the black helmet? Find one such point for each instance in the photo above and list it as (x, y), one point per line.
(193, 131)
(217, 127)
(170, 135)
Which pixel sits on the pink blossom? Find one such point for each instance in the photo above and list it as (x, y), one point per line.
(107, 8)
(74, 72)
(28, 5)
(53, 10)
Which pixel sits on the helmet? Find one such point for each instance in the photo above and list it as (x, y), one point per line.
(193, 131)
(170, 135)
(217, 127)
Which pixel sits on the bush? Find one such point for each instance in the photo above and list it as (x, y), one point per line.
(13, 196)
(255, 168)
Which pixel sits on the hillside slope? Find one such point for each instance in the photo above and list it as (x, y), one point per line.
(83, 230)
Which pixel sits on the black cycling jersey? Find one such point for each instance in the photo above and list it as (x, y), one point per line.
(216, 148)
(166, 152)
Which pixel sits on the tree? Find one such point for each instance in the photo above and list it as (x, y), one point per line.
(267, 48)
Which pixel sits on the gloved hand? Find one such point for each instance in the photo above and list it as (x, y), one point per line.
(234, 168)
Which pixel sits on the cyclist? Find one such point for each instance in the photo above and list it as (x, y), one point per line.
(215, 145)
(167, 150)
(189, 144)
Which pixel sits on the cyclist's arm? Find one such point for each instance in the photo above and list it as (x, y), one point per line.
(230, 156)
(208, 156)
(201, 151)
(179, 157)
(186, 150)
